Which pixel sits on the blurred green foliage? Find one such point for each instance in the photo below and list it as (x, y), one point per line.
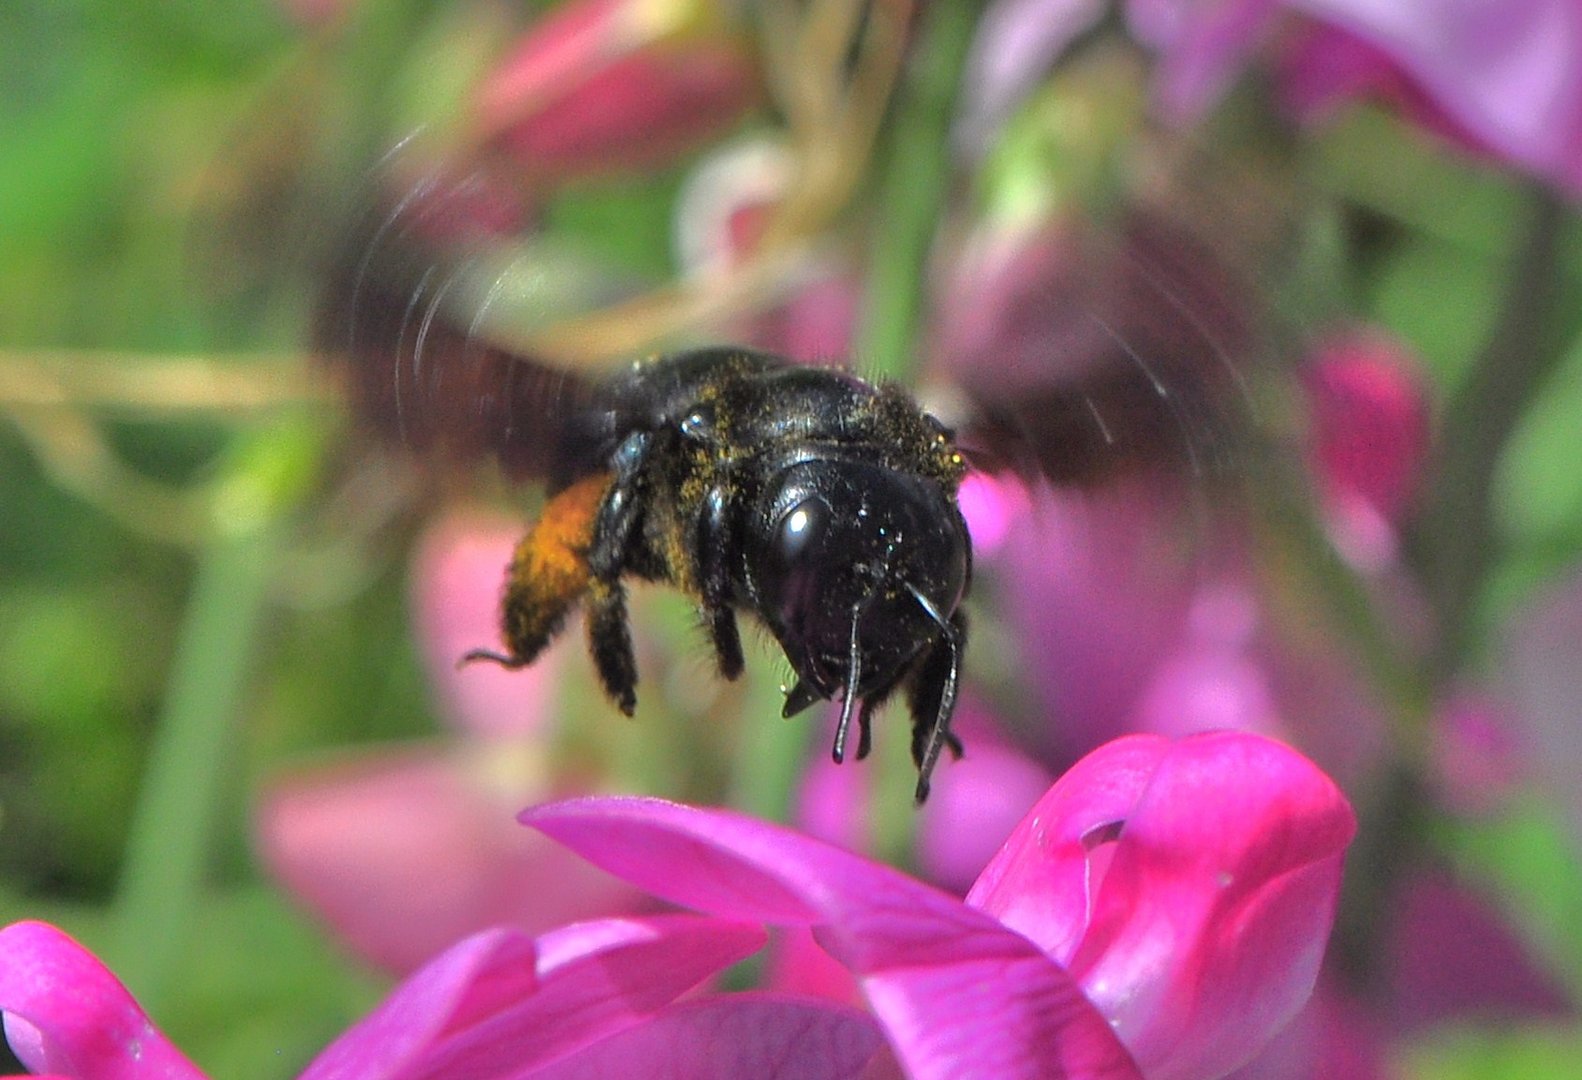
(168, 173)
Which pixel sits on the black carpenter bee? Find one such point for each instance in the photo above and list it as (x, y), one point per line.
(821, 504)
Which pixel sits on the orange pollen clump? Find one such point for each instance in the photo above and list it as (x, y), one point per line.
(553, 556)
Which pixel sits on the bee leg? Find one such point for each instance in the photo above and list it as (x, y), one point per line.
(549, 573)
(610, 643)
(932, 697)
(800, 697)
(715, 546)
(609, 636)
(864, 728)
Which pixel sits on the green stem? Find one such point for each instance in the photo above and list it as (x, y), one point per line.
(1528, 343)
(914, 182)
(1455, 546)
(174, 823)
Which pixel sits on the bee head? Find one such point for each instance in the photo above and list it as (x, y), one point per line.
(856, 567)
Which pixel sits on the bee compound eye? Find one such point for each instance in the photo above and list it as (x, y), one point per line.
(801, 532)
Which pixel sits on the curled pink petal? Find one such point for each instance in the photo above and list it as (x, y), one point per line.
(65, 1013)
(727, 1037)
(1211, 919)
(954, 990)
(1038, 884)
(1189, 885)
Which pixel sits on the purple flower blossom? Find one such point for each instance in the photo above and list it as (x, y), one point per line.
(1508, 74)
(498, 1004)
(601, 86)
(1161, 912)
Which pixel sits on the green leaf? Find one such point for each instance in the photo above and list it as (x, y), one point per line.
(1527, 1053)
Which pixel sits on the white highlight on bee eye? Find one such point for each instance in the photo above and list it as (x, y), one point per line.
(797, 522)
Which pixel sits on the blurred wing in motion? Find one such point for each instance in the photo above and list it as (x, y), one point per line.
(399, 321)
(1108, 356)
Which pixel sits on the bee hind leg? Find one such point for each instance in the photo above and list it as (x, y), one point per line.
(549, 573)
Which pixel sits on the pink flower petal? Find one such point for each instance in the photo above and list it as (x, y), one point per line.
(799, 965)
(1094, 633)
(66, 1013)
(1370, 420)
(594, 979)
(1190, 885)
(1214, 678)
(456, 579)
(977, 803)
(1016, 43)
(483, 974)
(1510, 73)
(408, 851)
(1204, 46)
(1212, 916)
(991, 505)
(954, 990)
(1038, 884)
(602, 85)
(1454, 954)
(728, 1037)
(497, 1006)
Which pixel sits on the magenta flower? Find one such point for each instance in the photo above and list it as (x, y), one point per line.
(617, 85)
(1369, 442)
(66, 1015)
(1507, 74)
(499, 1004)
(1162, 911)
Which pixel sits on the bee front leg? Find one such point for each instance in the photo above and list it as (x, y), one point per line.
(716, 547)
